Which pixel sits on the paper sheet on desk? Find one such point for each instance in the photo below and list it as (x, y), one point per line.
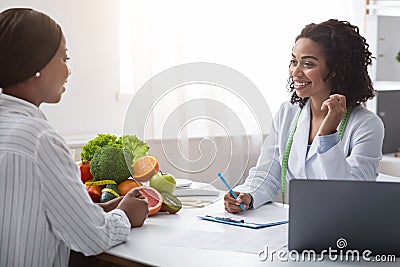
(266, 214)
(238, 239)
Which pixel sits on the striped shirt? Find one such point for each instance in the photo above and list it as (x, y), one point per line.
(44, 208)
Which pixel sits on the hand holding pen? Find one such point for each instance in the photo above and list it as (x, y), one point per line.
(232, 205)
(234, 201)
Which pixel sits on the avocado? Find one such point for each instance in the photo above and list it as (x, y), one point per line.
(106, 195)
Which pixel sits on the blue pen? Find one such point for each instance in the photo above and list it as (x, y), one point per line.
(230, 189)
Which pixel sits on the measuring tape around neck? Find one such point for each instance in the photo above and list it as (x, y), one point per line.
(286, 153)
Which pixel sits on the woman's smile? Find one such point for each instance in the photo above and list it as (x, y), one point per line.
(299, 85)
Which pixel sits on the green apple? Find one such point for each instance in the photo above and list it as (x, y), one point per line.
(163, 182)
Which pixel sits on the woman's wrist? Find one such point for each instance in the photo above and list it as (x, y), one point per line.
(110, 205)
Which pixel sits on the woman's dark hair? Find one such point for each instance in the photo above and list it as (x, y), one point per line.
(28, 41)
(347, 57)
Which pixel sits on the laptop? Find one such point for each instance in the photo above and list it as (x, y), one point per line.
(344, 215)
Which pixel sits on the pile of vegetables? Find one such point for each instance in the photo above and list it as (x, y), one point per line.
(107, 161)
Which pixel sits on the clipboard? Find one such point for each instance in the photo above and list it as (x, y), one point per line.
(240, 223)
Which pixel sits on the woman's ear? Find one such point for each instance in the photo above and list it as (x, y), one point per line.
(333, 74)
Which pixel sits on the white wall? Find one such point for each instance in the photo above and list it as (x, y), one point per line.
(90, 104)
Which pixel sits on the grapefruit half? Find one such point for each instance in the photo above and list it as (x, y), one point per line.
(144, 168)
(154, 199)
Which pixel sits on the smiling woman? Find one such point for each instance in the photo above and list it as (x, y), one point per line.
(309, 70)
(324, 122)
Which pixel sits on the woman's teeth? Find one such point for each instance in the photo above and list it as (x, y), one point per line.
(301, 83)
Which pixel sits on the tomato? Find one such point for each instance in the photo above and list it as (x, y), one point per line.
(85, 172)
(94, 192)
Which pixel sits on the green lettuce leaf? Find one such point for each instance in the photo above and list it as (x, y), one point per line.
(101, 140)
(134, 146)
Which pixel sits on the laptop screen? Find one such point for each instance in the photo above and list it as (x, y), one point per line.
(344, 215)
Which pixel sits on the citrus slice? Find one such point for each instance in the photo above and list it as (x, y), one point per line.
(144, 168)
(154, 199)
(125, 186)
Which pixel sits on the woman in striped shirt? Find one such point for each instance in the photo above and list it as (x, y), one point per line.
(45, 209)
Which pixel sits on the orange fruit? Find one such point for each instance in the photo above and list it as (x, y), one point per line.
(154, 199)
(144, 168)
(125, 186)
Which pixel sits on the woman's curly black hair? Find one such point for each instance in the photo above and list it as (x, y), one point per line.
(347, 56)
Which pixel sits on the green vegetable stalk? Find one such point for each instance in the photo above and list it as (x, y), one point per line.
(398, 56)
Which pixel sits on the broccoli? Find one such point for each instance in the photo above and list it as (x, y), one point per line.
(110, 163)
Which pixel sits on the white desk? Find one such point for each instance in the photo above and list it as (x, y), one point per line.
(151, 244)
(390, 165)
(387, 178)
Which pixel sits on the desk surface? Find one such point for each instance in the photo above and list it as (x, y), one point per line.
(153, 243)
(390, 165)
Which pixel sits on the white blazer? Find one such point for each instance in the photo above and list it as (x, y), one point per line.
(355, 157)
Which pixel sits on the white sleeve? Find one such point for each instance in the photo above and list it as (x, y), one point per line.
(75, 219)
(364, 155)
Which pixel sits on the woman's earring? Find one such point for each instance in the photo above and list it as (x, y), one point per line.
(37, 75)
